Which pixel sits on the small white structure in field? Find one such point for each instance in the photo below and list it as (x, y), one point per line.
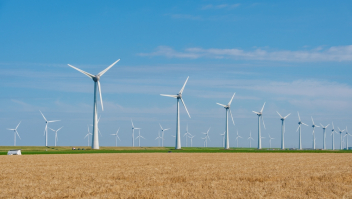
(14, 152)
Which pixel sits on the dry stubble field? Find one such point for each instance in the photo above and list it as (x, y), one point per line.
(146, 175)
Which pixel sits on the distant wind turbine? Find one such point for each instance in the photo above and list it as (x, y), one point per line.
(133, 128)
(15, 133)
(270, 138)
(347, 134)
(313, 133)
(300, 131)
(87, 136)
(237, 138)
(341, 131)
(179, 97)
(46, 128)
(283, 129)
(96, 78)
(187, 134)
(332, 136)
(223, 139)
(162, 134)
(116, 136)
(227, 108)
(191, 137)
(56, 138)
(324, 134)
(250, 139)
(139, 137)
(260, 115)
(206, 137)
(158, 138)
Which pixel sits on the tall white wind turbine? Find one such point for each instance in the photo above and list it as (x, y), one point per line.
(313, 133)
(133, 128)
(139, 137)
(206, 137)
(178, 97)
(347, 134)
(227, 108)
(237, 138)
(87, 136)
(56, 138)
(250, 139)
(332, 136)
(300, 131)
(15, 133)
(283, 129)
(46, 128)
(324, 134)
(341, 131)
(270, 138)
(116, 136)
(96, 78)
(260, 115)
(162, 134)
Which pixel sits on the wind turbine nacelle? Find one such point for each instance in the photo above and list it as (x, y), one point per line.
(96, 78)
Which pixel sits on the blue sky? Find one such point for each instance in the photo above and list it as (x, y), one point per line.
(295, 56)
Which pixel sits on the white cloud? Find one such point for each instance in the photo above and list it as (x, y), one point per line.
(334, 53)
(221, 6)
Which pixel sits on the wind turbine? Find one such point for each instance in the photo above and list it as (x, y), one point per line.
(340, 131)
(237, 138)
(313, 133)
(191, 137)
(300, 131)
(158, 138)
(46, 128)
(133, 128)
(324, 134)
(223, 139)
(270, 138)
(56, 138)
(15, 133)
(260, 115)
(179, 97)
(332, 135)
(187, 134)
(87, 136)
(283, 129)
(96, 78)
(162, 134)
(139, 137)
(227, 108)
(250, 139)
(116, 136)
(347, 134)
(206, 137)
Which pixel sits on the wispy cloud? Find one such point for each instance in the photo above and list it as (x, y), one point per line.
(220, 6)
(320, 54)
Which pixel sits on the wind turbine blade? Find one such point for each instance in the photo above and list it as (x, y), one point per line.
(232, 118)
(51, 129)
(11, 129)
(183, 87)
(312, 119)
(321, 125)
(262, 107)
(18, 125)
(59, 129)
(304, 124)
(333, 125)
(85, 136)
(231, 99)
(118, 137)
(221, 104)
(296, 131)
(287, 115)
(255, 112)
(185, 107)
(42, 115)
(279, 114)
(166, 129)
(142, 137)
(161, 126)
(84, 72)
(18, 134)
(263, 122)
(174, 96)
(54, 121)
(104, 71)
(299, 118)
(132, 123)
(101, 98)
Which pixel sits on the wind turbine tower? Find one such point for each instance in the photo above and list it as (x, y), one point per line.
(96, 78)
(227, 108)
(250, 139)
(15, 133)
(56, 138)
(260, 115)
(324, 134)
(162, 134)
(347, 134)
(332, 136)
(206, 138)
(46, 128)
(139, 137)
(341, 131)
(270, 138)
(300, 131)
(179, 97)
(283, 129)
(237, 138)
(116, 136)
(313, 133)
(87, 136)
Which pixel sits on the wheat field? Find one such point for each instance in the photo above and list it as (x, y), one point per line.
(163, 175)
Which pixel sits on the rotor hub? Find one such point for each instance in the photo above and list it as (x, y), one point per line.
(96, 78)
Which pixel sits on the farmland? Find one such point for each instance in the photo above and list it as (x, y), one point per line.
(177, 175)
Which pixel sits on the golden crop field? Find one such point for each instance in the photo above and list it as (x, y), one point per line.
(186, 175)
